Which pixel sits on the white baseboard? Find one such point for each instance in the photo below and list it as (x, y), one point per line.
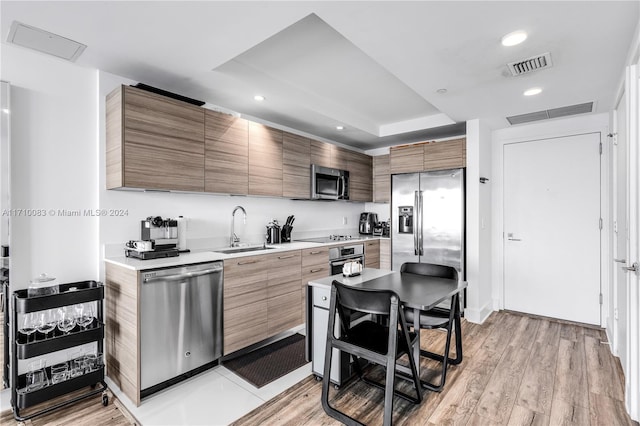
(478, 316)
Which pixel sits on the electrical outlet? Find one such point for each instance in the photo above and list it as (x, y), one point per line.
(344, 220)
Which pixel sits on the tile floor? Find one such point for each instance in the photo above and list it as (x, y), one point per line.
(215, 397)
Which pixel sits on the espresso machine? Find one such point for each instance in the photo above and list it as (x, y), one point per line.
(158, 238)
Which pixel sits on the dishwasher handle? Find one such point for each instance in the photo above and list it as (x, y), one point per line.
(177, 277)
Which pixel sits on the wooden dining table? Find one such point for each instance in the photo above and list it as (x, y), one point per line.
(418, 292)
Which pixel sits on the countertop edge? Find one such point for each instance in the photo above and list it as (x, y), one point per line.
(206, 255)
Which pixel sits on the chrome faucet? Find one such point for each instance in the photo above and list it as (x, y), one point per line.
(233, 239)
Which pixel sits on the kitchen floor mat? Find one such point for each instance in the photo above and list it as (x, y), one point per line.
(270, 362)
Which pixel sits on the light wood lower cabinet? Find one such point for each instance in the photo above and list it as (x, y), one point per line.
(262, 297)
(315, 264)
(284, 293)
(385, 254)
(245, 302)
(122, 335)
(372, 254)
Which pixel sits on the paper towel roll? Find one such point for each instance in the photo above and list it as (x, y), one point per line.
(182, 233)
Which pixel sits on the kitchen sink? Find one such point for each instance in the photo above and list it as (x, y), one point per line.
(233, 250)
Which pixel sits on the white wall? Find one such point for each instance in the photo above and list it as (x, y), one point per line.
(543, 130)
(53, 166)
(478, 222)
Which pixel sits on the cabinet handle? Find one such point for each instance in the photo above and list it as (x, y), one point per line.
(324, 297)
(248, 262)
(287, 257)
(315, 252)
(315, 270)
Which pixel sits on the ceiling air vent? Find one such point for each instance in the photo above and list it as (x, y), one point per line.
(531, 64)
(44, 41)
(551, 113)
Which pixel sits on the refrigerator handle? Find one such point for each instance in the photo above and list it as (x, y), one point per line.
(420, 234)
(416, 228)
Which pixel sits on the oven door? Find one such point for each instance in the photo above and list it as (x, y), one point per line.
(336, 265)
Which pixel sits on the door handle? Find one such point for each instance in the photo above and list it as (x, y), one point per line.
(416, 228)
(633, 268)
(510, 237)
(515, 239)
(620, 260)
(420, 234)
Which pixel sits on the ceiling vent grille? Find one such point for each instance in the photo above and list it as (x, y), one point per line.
(551, 113)
(531, 64)
(44, 41)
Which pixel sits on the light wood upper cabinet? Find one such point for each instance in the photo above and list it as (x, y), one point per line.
(226, 153)
(360, 176)
(296, 166)
(153, 142)
(381, 179)
(445, 155)
(406, 159)
(321, 153)
(419, 157)
(265, 160)
(340, 157)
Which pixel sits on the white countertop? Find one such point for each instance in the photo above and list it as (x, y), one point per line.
(208, 255)
(366, 275)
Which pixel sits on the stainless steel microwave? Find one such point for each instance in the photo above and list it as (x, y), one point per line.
(329, 184)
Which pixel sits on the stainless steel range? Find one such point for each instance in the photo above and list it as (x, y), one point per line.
(338, 256)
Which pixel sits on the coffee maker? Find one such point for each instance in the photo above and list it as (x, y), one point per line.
(368, 221)
(163, 231)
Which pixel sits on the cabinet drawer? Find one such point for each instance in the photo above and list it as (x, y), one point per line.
(315, 256)
(284, 267)
(314, 272)
(246, 268)
(321, 297)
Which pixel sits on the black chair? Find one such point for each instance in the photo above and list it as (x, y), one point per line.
(379, 342)
(448, 319)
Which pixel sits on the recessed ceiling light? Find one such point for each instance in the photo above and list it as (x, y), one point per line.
(339, 127)
(258, 98)
(514, 38)
(532, 91)
(441, 91)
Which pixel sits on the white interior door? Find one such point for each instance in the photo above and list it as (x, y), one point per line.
(620, 235)
(552, 227)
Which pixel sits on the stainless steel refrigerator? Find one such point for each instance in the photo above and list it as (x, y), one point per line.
(428, 216)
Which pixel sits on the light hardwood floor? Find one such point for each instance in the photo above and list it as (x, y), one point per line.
(517, 370)
(89, 411)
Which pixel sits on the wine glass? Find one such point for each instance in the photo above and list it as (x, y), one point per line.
(67, 321)
(84, 315)
(28, 325)
(46, 322)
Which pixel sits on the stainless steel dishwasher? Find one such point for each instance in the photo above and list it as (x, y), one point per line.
(180, 323)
